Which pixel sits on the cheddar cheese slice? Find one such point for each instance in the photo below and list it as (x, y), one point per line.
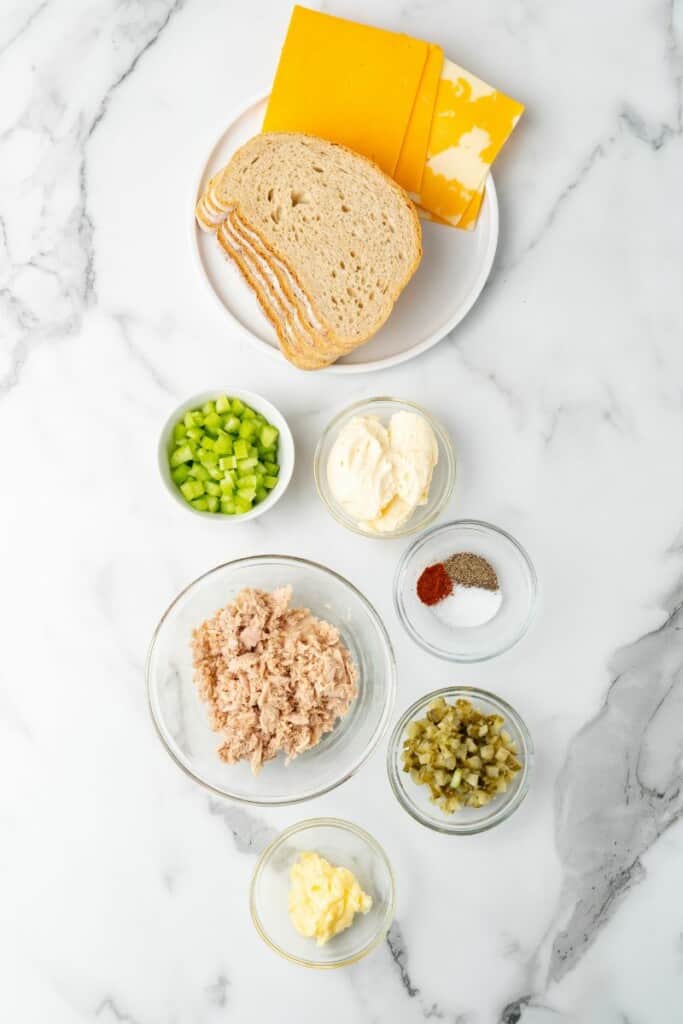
(471, 123)
(347, 83)
(413, 153)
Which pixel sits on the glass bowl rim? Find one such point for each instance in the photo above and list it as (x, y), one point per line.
(445, 445)
(508, 805)
(440, 652)
(345, 826)
(386, 712)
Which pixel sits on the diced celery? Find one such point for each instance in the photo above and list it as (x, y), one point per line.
(222, 404)
(179, 432)
(207, 442)
(261, 494)
(201, 504)
(245, 464)
(272, 468)
(212, 487)
(198, 471)
(188, 419)
(192, 489)
(269, 482)
(269, 436)
(246, 493)
(213, 422)
(208, 407)
(231, 424)
(180, 455)
(208, 458)
(228, 506)
(237, 407)
(194, 433)
(226, 486)
(214, 472)
(242, 505)
(247, 429)
(248, 413)
(228, 462)
(180, 474)
(223, 444)
(249, 481)
(241, 449)
(212, 503)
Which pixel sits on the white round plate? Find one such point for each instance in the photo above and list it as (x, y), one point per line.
(448, 282)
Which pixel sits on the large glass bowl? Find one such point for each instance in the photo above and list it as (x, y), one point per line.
(443, 479)
(181, 717)
(415, 798)
(343, 845)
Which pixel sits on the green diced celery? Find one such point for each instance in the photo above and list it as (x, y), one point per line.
(248, 481)
(207, 442)
(214, 472)
(249, 413)
(261, 494)
(241, 449)
(188, 419)
(212, 503)
(212, 487)
(242, 506)
(228, 506)
(198, 471)
(208, 407)
(179, 432)
(213, 422)
(271, 468)
(201, 504)
(231, 424)
(192, 489)
(180, 455)
(180, 474)
(247, 429)
(223, 444)
(237, 407)
(228, 462)
(222, 404)
(208, 458)
(226, 485)
(246, 493)
(245, 464)
(269, 436)
(194, 433)
(269, 482)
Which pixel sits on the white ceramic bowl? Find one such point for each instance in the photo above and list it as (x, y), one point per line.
(260, 404)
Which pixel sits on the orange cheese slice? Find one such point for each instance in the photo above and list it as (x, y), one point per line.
(413, 153)
(471, 123)
(347, 83)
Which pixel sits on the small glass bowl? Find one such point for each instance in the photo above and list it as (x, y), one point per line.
(181, 717)
(416, 800)
(343, 845)
(443, 479)
(516, 576)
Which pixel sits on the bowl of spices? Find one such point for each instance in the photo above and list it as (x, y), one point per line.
(465, 591)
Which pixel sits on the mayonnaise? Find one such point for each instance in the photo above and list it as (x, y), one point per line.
(323, 899)
(379, 476)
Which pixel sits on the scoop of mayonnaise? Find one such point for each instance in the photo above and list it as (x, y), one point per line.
(379, 476)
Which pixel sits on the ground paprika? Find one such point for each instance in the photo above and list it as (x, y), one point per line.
(434, 584)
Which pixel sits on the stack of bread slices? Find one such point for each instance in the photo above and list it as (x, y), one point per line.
(323, 237)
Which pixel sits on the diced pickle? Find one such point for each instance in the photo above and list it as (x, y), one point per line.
(464, 756)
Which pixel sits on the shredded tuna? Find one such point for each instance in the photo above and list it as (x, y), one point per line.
(274, 678)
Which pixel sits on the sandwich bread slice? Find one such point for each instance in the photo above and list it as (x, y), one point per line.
(327, 240)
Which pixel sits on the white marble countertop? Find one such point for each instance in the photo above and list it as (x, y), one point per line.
(123, 884)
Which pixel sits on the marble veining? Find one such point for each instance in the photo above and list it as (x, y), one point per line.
(123, 884)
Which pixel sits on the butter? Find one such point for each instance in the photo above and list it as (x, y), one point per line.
(379, 475)
(323, 899)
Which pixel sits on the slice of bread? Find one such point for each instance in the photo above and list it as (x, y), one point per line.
(343, 238)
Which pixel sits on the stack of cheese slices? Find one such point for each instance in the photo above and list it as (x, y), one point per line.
(325, 239)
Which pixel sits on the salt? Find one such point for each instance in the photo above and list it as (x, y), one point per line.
(468, 606)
